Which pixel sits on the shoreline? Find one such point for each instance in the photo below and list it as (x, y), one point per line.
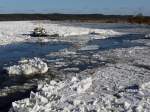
(94, 18)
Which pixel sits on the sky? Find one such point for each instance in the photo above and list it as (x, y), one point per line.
(123, 7)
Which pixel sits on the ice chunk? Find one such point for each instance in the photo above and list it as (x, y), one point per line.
(90, 47)
(147, 36)
(53, 93)
(145, 88)
(28, 67)
(81, 86)
(84, 85)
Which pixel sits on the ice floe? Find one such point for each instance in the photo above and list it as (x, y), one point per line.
(89, 47)
(18, 31)
(28, 67)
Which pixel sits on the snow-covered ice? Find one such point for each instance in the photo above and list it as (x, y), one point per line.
(17, 31)
(28, 67)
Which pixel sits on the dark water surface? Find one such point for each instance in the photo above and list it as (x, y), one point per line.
(123, 41)
(15, 52)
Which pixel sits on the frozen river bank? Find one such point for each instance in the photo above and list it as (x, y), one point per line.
(110, 65)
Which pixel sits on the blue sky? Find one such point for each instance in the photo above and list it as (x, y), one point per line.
(76, 6)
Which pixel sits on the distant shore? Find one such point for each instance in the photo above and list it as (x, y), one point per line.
(98, 18)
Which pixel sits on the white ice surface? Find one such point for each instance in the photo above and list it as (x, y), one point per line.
(77, 95)
(16, 31)
(28, 67)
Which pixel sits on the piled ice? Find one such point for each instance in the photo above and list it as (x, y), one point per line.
(28, 67)
(113, 88)
(55, 96)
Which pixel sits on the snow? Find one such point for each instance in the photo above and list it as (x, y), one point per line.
(28, 67)
(17, 31)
